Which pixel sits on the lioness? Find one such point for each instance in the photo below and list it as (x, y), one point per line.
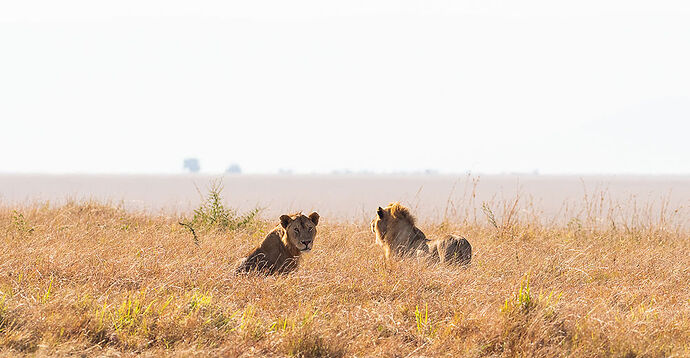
(280, 251)
(397, 234)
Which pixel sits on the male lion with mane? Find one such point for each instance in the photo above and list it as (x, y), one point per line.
(281, 249)
(395, 230)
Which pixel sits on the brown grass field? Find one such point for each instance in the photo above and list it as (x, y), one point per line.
(94, 279)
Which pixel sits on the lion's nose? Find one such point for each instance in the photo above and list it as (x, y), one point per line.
(306, 243)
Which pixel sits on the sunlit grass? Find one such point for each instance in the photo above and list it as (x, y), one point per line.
(94, 279)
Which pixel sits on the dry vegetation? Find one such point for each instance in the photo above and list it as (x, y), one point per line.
(93, 279)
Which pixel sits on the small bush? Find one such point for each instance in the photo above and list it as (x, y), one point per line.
(20, 223)
(212, 214)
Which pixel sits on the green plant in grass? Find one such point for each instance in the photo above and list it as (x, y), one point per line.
(211, 214)
(131, 314)
(521, 300)
(20, 223)
(3, 311)
(282, 324)
(424, 327)
(198, 301)
(46, 295)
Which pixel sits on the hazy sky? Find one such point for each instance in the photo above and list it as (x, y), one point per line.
(487, 86)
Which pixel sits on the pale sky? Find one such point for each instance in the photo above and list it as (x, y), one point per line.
(487, 86)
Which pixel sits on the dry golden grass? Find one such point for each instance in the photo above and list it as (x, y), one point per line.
(92, 279)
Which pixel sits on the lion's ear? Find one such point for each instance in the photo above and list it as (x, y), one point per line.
(285, 220)
(314, 217)
(380, 212)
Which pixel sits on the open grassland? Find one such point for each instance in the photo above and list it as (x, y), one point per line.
(94, 279)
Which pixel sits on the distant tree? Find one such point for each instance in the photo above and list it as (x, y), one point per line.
(234, 169)
(192, 164)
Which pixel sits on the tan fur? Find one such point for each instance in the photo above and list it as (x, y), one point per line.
(396, 233)
(282, 248)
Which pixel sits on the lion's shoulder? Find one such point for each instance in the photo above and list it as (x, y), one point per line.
(273, 238)
(271, 256)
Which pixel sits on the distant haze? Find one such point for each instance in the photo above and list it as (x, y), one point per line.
(316, 86)
(432, 197)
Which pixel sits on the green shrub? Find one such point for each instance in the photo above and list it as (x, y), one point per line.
(212, 214)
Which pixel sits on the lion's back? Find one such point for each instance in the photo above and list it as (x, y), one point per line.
(257, 260)
(453, 250)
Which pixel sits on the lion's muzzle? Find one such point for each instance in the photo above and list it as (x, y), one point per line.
(307, 245)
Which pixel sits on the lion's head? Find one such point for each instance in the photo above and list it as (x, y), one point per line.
(391, 220)
(300, 230)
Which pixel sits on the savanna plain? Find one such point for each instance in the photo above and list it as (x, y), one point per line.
(605, 277)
